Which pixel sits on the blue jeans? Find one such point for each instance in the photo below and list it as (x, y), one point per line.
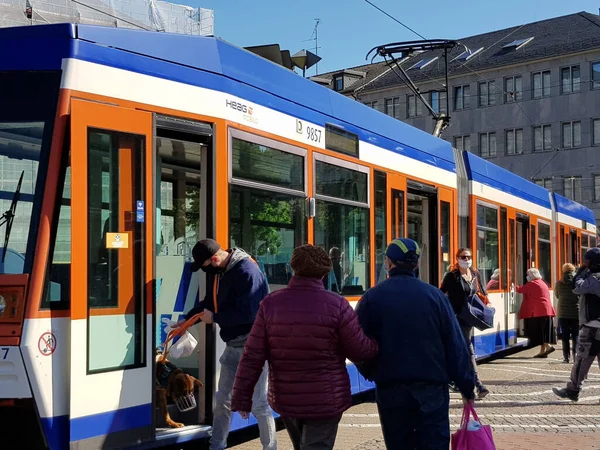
(230, 360)
(414, 416)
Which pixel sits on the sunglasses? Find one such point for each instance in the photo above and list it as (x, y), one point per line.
(465, 257)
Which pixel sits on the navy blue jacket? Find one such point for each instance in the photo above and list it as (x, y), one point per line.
(417, 332)
(240, 289)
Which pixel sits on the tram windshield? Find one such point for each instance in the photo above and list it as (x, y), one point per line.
(20, 148)
(27, 110)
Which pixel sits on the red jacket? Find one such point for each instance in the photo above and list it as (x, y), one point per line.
(536, 301)
(305, 333)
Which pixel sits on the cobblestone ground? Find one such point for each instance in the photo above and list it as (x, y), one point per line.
(522, 410)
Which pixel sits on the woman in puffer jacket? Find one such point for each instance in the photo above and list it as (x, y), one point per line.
(568, 310)
(306, 333)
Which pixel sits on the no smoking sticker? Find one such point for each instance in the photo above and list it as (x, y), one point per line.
(47, 344)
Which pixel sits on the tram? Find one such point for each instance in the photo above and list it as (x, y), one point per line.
(120, 148)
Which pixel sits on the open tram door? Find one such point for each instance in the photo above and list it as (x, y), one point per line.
(111, 353)
(522, 264)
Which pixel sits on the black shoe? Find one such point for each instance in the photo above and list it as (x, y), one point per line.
(482, 391)
(566, 360)
(566, 393)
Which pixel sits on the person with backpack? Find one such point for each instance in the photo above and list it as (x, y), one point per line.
(459, 284)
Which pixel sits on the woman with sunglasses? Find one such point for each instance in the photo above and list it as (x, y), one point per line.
(459, 284)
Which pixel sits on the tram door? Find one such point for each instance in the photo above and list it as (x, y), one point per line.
(510, 302)
(522, 263)
(112, 264)
(422, 221)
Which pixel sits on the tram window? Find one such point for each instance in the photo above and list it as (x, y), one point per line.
(534, 262)
(503, 237)
(585, 243)
(268, 225)
(563, 247)
(487, 242)
(545, 252)
(512, 306)
(343, 230)
(340, 140)
(397, 214)
(593, 241)
(58, 289)
(341, 182)
(116, 294)
(267, 165)
(380, 225)
(445, 244)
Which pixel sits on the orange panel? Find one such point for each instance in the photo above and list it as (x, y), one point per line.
(86, 114)
(221, 186)
(446, 195)
(42, 249)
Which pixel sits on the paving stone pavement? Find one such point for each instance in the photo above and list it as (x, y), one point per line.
(521, 408)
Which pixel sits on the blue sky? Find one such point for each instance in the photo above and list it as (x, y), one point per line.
(349, 29)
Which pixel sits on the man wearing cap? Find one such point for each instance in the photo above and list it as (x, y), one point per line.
(232, 301)
(587, 286)
(421, 350)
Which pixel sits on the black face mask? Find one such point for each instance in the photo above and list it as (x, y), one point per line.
(211, 269)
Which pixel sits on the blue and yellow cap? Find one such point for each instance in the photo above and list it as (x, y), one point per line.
(403, 250)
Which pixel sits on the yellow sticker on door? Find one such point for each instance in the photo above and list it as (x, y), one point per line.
(117, 240)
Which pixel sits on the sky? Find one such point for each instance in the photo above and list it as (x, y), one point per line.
(350, 28)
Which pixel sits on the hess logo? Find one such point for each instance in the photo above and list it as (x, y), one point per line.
(237, 106)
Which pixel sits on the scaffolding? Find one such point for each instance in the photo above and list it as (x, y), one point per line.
(150, 15)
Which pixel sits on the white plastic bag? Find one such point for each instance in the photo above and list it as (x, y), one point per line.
(181, 346)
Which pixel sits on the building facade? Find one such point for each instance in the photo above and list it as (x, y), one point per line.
(527, 98)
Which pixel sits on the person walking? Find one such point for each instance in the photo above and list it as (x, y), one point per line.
(568, 310)
(306, 333)
(421, 350)
(238, 287)
(587, 286)
(459, 284)
(538, 313)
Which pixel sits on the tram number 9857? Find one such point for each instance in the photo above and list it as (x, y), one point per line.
(3, 353)
(312, 134)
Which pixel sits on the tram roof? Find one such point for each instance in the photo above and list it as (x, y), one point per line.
(573, 209)
(485, 172)
(239, 72)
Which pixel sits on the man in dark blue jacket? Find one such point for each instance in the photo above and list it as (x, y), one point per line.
(421, 350)
(232, 301)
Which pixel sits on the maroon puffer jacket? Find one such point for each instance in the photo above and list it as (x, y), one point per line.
(306, 333)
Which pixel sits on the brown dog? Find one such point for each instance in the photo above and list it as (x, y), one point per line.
(172, 382)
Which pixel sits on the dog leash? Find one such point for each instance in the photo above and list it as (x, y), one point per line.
(179, 331)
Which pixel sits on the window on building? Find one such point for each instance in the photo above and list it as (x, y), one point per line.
(514, 141)
(462, 98)
(414, 105)
(571, 134)
(570, 79)
(338, 83)
(572, 188)
(487, 93)
(544, 182)
(438, 101)
(542, 138)
(487, 242)
(392, 107)
(596, 131)
(342, 225)
(462, 143)
(597, 187)
(544, 252)
(541, 84)
(596, 75)
(373, 104)
(513, 89)
(487, 145)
